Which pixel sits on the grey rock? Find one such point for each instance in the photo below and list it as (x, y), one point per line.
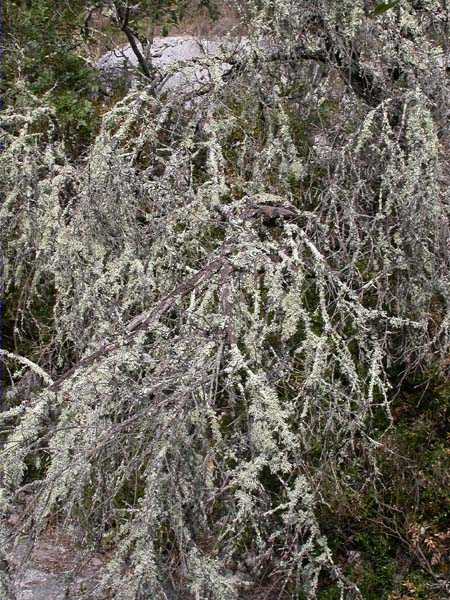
(40, 585)
(178, 62)
(51, 571)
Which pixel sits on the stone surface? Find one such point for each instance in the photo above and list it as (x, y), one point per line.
(54, 570)
(40, 585)
(181, 61)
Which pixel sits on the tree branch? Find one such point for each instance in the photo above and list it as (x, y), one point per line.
(123, 18)
(29, 363)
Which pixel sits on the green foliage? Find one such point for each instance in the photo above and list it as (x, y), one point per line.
(384, 6)
(43, 49)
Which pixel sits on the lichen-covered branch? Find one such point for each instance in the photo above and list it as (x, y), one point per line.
(222, 297)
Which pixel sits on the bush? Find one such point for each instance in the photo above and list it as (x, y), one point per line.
(243, 286)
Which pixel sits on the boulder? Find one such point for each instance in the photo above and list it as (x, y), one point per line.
(179, 62)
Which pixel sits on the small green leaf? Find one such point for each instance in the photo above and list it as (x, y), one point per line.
(383, 7)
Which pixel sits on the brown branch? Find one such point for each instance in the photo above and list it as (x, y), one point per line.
(225, 298)
(123, 18)
(269, 212)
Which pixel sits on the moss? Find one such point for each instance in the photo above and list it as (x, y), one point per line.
(332, 592)
(36, 465)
